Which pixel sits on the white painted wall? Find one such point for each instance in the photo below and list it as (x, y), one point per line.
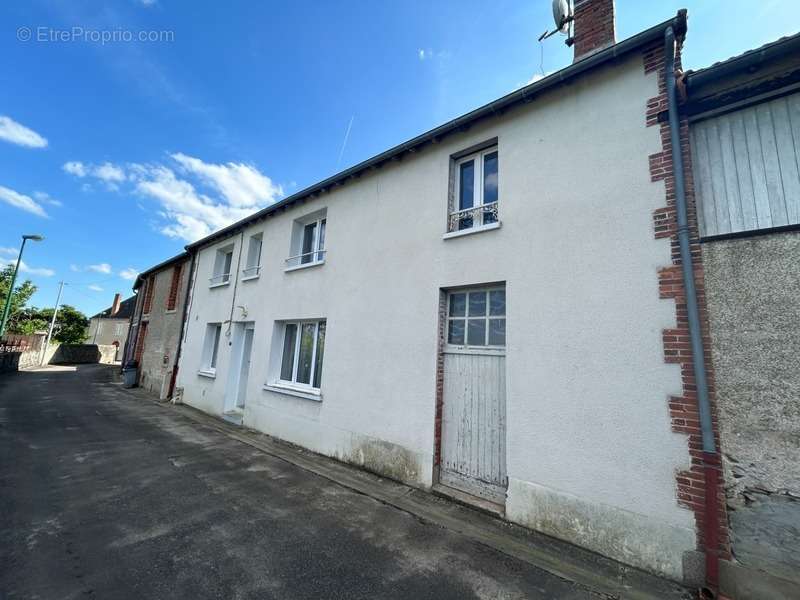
(591, 457)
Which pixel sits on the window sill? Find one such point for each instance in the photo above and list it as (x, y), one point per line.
(207, 373)
(308, 394)
(471, 230)
(250, 277)
(170, 311)
(220, 284)
(305, 266)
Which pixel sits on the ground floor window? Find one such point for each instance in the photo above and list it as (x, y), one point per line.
(211, 347)
(302, 352)
(477, 317)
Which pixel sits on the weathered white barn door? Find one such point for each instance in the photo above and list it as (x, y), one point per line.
(474, 403)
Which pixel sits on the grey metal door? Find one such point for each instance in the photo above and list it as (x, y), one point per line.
(474, 403)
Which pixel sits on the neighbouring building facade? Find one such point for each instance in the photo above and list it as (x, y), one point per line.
(745, 144)
(156, 324)
(110, 327)
(494, 308)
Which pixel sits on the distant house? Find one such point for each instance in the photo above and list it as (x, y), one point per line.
(156, 323)
(110, 327)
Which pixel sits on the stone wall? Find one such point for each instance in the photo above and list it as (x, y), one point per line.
(83, 354)
(753, 293)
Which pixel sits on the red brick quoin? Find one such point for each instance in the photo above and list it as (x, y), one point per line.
(683, 409)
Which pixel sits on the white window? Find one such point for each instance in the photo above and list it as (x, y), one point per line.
(308, 241)
(119, 328)
(477, 318)
(252, 267)
(302, 348)
(208, 364)
(475, 199)
(222, 266)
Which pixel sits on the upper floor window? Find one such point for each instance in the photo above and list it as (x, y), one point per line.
(475, 195)
(172, 299)
(308, 241)
(150, 288)
(222, 266)
(252, 267)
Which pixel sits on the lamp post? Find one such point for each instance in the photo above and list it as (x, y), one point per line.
(25, 238)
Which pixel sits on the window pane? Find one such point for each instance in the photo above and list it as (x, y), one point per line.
(477, 304)
(320, 352)
(497, 332)
(287, 362)
(466, 191)
(308, 243)
(228, 260)
(497, 303)
(321, 242)
(306, 352)
(455, 334)
(215, 347)
(476, 332)
(458, 304)
(490, 178)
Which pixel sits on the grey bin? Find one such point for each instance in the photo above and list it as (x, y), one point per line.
(129, 376)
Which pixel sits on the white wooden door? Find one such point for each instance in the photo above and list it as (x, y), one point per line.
(247, 347)
(474, 403)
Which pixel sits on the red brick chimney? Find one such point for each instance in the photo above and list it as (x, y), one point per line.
(594, 27)
(115, 305)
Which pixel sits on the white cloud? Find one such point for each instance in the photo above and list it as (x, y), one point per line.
(240, 184)
(129, 273)
(75, 268)
(16, 133)
(109, 173)
(5, 250)
(195, 197)
(75, 167)
(47, 199)
(101, 268)
(95, 288)
(24, 268)
(422, 54)
(21, 201)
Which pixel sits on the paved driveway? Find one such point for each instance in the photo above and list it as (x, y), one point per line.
(105, 496)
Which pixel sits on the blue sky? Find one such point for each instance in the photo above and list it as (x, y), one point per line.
(121, 152)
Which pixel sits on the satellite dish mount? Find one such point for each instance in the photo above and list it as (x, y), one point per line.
(563, 16)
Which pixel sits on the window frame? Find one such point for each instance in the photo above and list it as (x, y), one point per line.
(253, 270)
(210, 356)
(318, 252)
(220, 278)
(478, 157)
(280, 347)
(467, 347)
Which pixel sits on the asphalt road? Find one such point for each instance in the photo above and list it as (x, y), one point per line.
(105, 496)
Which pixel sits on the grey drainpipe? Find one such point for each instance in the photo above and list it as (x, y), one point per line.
(184, 318)
(710, 457)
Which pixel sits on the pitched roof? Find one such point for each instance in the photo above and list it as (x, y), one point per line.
(125, 310)
(521, 96)
(162, 265)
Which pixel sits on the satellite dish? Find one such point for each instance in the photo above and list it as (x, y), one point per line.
(562, 15)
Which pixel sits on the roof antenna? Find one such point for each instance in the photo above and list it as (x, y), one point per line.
(563, 15)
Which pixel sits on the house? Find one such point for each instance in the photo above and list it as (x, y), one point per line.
(503, 308)
(157, 324)
(110, 327)
(744, 118)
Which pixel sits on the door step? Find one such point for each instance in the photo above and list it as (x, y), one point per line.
(233, 417)
(469, 500)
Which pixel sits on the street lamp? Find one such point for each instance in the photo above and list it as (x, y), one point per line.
(25, 238)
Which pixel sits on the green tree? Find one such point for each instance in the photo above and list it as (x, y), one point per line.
(22, 292)
(70, 326)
